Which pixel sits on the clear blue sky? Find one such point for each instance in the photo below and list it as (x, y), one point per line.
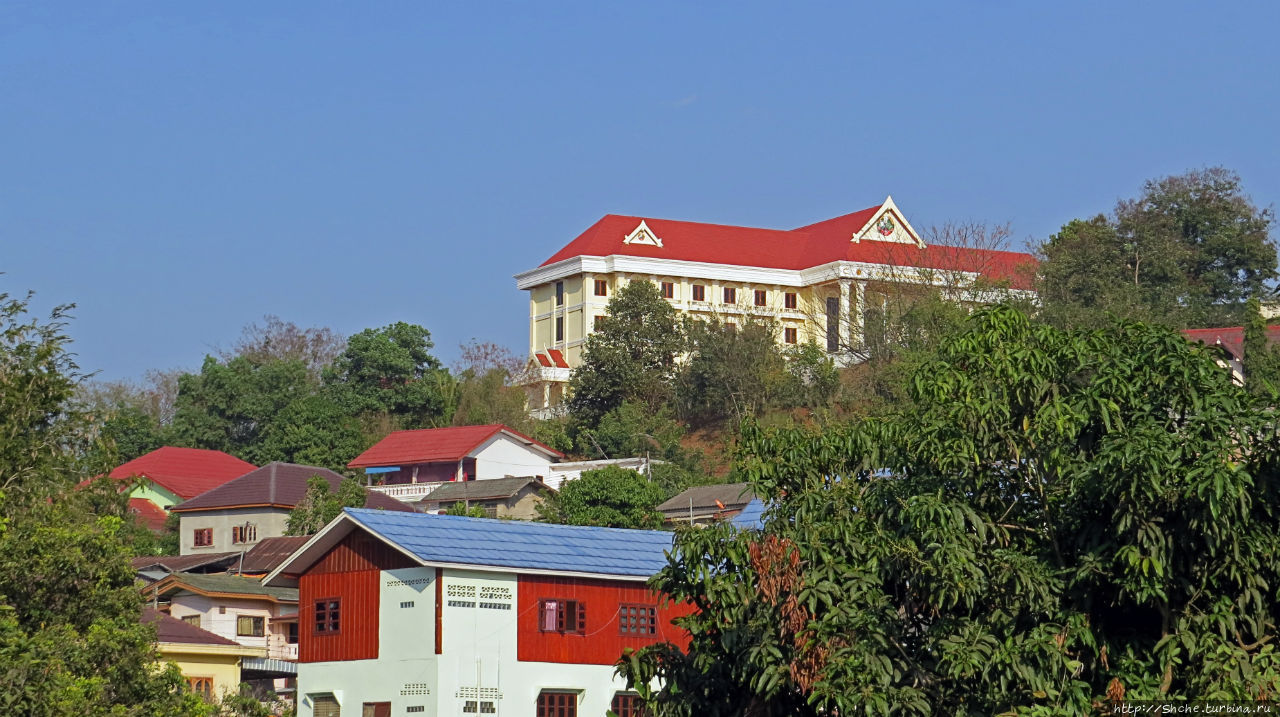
(181, 169)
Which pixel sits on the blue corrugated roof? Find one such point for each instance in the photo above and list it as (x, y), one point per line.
(518, 544)
(751, 517)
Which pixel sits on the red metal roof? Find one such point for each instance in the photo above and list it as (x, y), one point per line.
(1230, 338)
(149, 514)
(795, 249)
(557, 356)
(543, 360)
(280, 485)
(171, 630)
(185, 472)
(436, 445)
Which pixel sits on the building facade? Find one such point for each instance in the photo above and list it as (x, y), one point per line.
(824, 282)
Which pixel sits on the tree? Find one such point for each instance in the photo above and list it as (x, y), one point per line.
(631, 356)
(319, 505)
(466, 510)
(632, 430)
(1190, 251)
(314, 431)
(731, 371)
(279, 340)
(71, 637)
(488, 397)
(1261, 359)
(610, 497)
(391, 371)
(1058, 517)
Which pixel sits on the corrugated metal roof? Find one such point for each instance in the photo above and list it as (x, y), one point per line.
(480, 489)
(434, 445)
(224, 585)
(704, 497)
(185, 472)
(517, 544)
(751, 517)
(270, 552)
(281, 485)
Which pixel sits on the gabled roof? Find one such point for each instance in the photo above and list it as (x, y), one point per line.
(185, 472)
(183, 563)
(277, 485)
(482, 489)
(172, 630)
(436, 445)
(1229, 338)
(149, 514)
(500, 545)
(269, 553)
(809, 246)
(702, 498)
(220, 585)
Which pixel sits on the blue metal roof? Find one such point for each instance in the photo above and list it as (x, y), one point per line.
(751, 516)
(519, 544)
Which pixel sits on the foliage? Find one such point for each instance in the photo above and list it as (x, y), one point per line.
(731, 371)
(631, 357)
(1261, 359)
(812, 378)
(487, 397)
(610, 497)
(245, 703)
(1190, 251)
(391, 371)
(632, 430)
(279, 340)
(1055, 517)
(314, 431)
(319, 505)
(468, 511)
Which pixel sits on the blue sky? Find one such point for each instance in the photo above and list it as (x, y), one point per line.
(181, 169)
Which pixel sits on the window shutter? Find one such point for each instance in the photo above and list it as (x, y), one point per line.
(582, 617)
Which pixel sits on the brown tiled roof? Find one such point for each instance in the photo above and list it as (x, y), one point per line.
(269, 553)
(733, 495)
(220, 584)
(171, 629)
(181, 563)
(278, 485)
(481, 489)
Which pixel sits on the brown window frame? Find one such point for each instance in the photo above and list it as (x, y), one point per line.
(789, 300)
(729, 295)
(258, 626)
(564, 625)
(202, 686)
(699, 292)
(597, 321)
(602, 287)
(790, 335)
(762, 297)
(559, 293)
(627, 704)
(206, 534)
(643, 622)
(191, 619)
(559, 328)
(668, 290)
(246, 533)
(331, 623)
(557, 703)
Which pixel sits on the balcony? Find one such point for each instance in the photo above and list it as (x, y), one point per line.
(408, 492)
(280, 649)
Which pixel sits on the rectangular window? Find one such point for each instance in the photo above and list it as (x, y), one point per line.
(246, 533)
(602, 287)
(291, 633)
(202, 537)
(328, 616)
(250, 626)
(191, 619)
(668, 290)
(566, 616)
(730, 295)
(488, 708)
(627, 705)
(376, 709)
(699, 292)
(559, 293)
(833, 324)
(596, 323)
(637, 620)
(789, 300)
(202, 686)
(559, 328)
(325, 706)
(730, 326)
(762, 297)
(789, 335)
(557, 704)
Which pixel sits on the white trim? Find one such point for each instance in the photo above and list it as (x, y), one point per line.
(642, 234)
(871, 232)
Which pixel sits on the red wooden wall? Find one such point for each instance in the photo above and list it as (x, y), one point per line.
(350, 571)
(602, 644)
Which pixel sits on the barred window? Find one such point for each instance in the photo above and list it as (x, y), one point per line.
(328, 616)
(637, 620)
(566, 616)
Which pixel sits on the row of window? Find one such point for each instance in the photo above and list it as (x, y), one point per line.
(203, 537)
(565, 704)
(789, 335)
(550, 704)
(562, 616)
(249, 626)
(668, 288)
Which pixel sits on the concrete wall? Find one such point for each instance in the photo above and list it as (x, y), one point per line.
(502, 456)
(219, 615)
(223, 667)
(271, 523)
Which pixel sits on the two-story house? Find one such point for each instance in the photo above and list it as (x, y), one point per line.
(169, 475)
(428, 614)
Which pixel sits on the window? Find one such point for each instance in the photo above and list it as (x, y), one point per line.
(789, 300)
(627, 705)
(699, 292)
(328, 616)
(602, 287)
(569, 616)
(485, 706)
(202, 686)
(596, 323)
(191, 619)
(559, 328)
(246, 533)
(668, 290)
(833, 324)
(637, 620)
(557, 704)
(291, 633)
(202, 537)
(250, 626)
(490, 511)
(406, 604)
(376, 709)
(789, 335)
(762, 297)
(559, 293)
(730, 326)
(730, 295)
(325, 706)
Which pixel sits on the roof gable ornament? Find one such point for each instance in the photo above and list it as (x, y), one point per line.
(888, 225)
(642, 234)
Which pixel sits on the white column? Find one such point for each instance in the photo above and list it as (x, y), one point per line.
(842, 327)
(859, 306)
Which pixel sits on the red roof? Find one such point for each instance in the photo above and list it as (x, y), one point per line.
(1230, 338)
(280, 485)
(795, 249)
(171, 630)
(436, 445)
(543, 360)
(557, 356)
(185, 472)
(149, 514)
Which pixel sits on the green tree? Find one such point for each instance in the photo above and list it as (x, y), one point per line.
(488, 397)
(632, 430)
(1261, 359)
(611, 497)
(1056, 517)
(391, 371)
(466, 510)
(630, 357)
(319, 505)
(732, 371)
(314, 431)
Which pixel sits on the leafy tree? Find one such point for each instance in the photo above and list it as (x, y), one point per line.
(1261, 359)
(632, 430)
(319, 505)
(132, 433)
(314, 431)
(391, 371)
(813, 381)
(466, 510)
(279, 340)
(731, 372)
(71, 637)
(1056, 518)
(611, 497)
(1189, 252)
(488, 397)
(631, 357)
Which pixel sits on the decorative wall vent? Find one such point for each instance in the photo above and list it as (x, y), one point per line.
(643, 235)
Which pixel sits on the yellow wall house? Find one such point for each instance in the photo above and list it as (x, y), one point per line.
(210, 664)
(820, 282)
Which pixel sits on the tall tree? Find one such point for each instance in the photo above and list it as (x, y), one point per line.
(1058, 518)
(391, 371)
(278, 340)
(611, 497)
(731, 372)
(632, 356)
(319, 504)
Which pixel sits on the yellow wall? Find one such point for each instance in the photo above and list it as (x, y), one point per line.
(221, 662)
